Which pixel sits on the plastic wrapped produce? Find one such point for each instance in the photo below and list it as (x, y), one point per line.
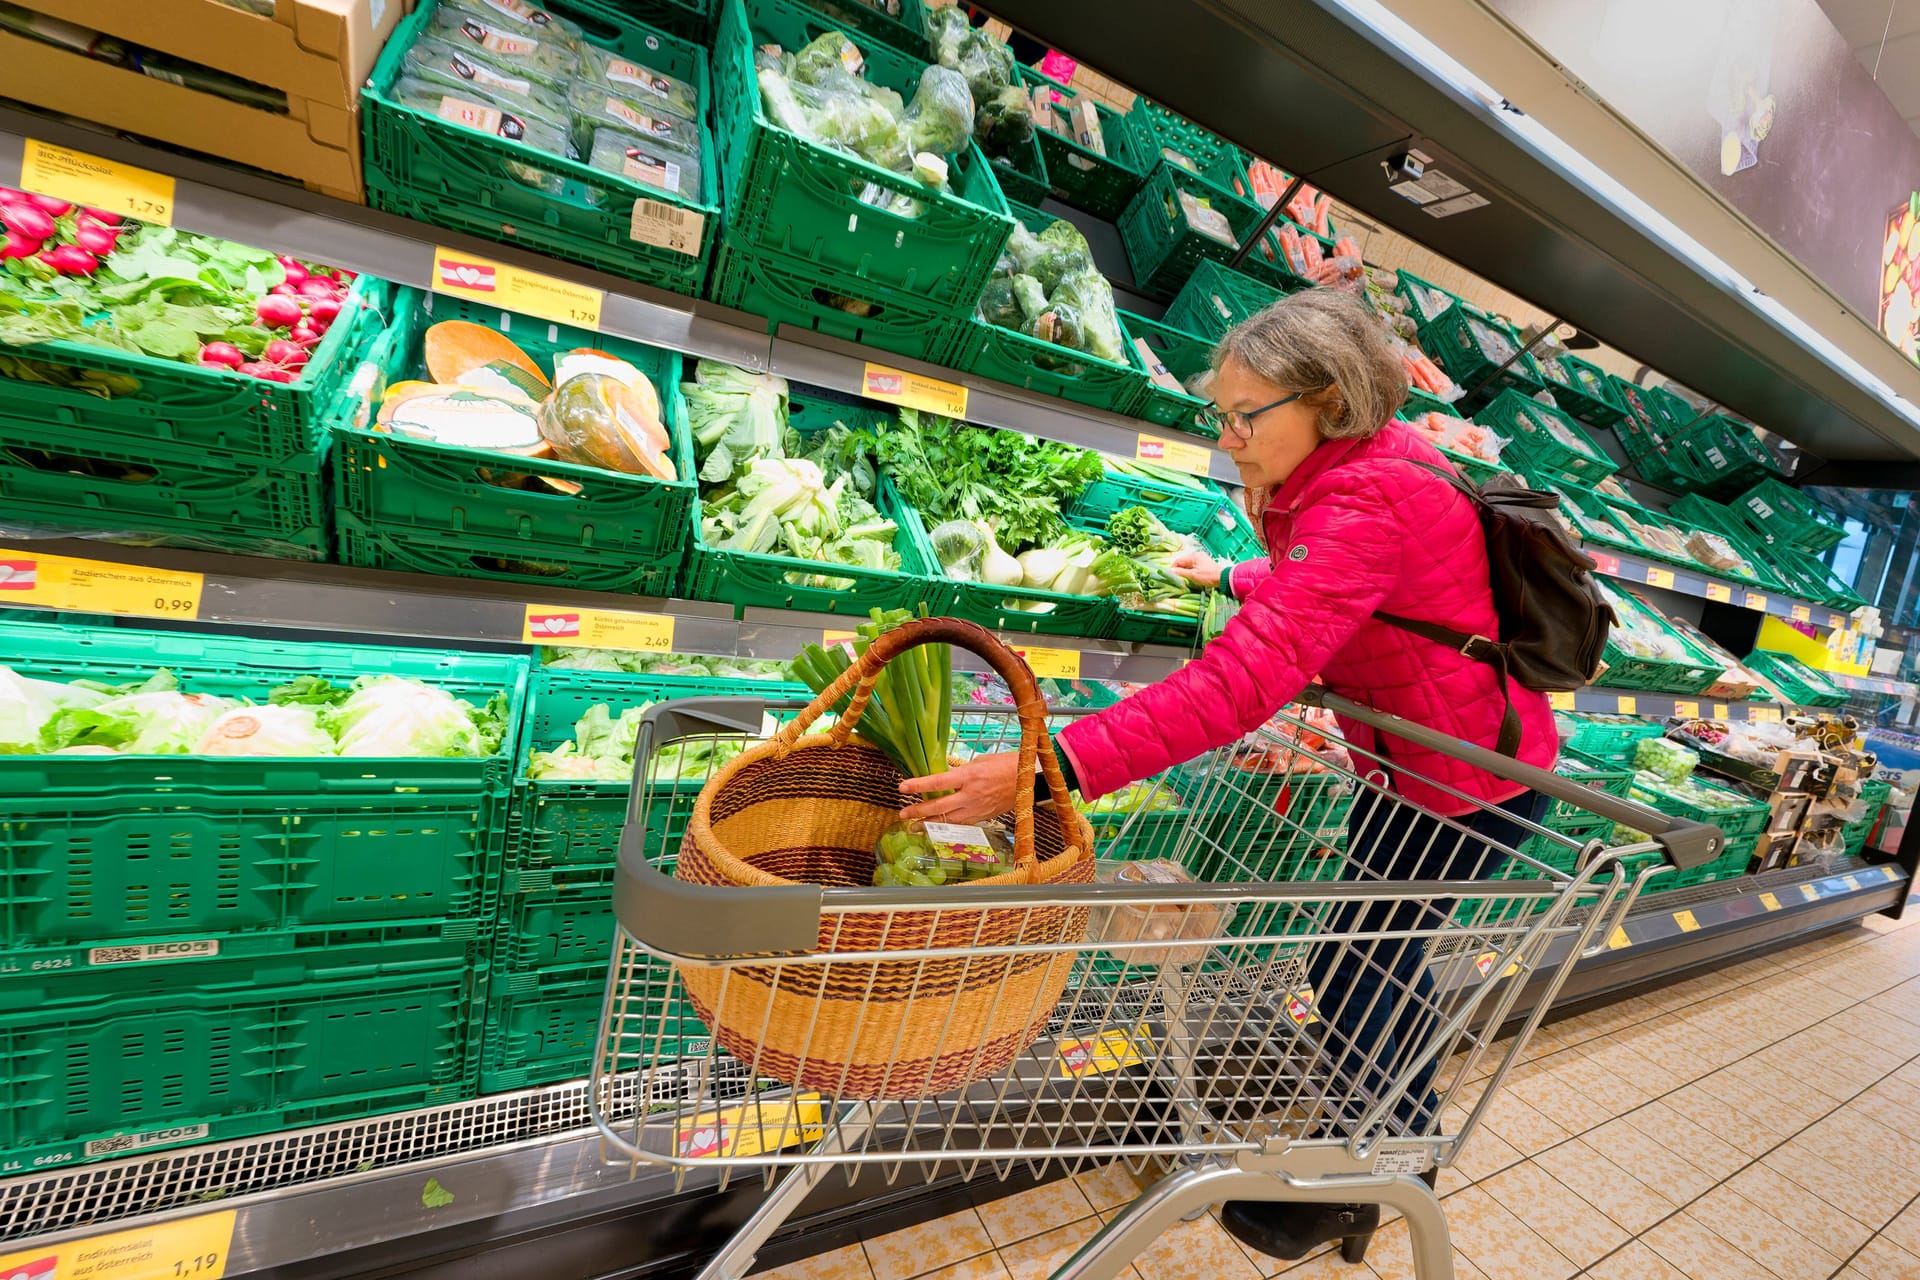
(595, 107)
(518, 15)
(939, 120)
(638, 83)
(437, 62)
(617, 151)
(550, 64)
(947, 28)
(912, 852)
(1089, 294)
(1664, 758)
(470, 112)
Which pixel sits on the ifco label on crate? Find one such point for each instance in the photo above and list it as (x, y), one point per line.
(97, 182)
(187, 1249)
(124, 1142)
(461, 275)
(914, 391)
(667, 226)
(148, 952)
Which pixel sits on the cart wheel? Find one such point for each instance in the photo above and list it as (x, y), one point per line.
(1354, 1248)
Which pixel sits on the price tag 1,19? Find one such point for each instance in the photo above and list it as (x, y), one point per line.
(1176, 455)
(914, 391)
(461, 275)
(186, 1249)
(97, 182)
(96, 586)
(1060, 664)
(597, 628)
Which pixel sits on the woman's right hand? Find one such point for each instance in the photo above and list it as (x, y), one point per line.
(1199, 568)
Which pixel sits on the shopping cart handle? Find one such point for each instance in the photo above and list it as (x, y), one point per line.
(1687, 844)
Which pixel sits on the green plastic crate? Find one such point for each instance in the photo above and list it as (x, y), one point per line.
(1231, 169)
(746, 578)
(690, 20)
(1179, 507)
(1022, 173)
(1155, 833)
(1472, 347)
(543, 1026)
(1215, 299)
(123, 1072)
(799, 201)
(1873, 796)
(166, 496)
(173, 410)
(1162, 248)
(1786, 513)
(1746, 818)
(1181, 354)
(1081, 176)
(1170, 137)
(431, 170)
(905, 30)
(1227, 537)
(1265, 826)
(396, 496)
(1725, 521)
(1603, 741)
(1813, 579)
(1023, 610)
(1542, 437)
(1803, 686)
(1652, 415)
(1005, 355)
(1425, 302)
(1693, 674)
(1587, 393)
(1728, 453)
(783, 291)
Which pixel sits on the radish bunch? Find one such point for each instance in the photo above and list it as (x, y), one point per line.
(69, 241)
(304, 306)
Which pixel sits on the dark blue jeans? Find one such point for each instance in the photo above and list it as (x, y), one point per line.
(1376, 997)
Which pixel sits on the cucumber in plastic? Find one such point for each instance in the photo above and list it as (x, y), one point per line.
(594, 106)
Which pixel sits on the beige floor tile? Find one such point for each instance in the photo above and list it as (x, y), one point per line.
(1606, 1186)
(1463, 1268)
(1651, 1162)
(1324, 1265)
(1882, 1259)
(1197, 1250)
(1871, 1201)
(1037, 1257)
(1500, 1244)
(1620, 1091)
(1521, 1126)
(1699, 1253)
(1556, 1213)
(915, 1250)
(1686, 1139)
(1905, 1229)
(849, 1263)
(1750, 1136)
(1107, 1186)
(1804, 1212)
(985, 1266)
(1857, 1142)
(1572, 1110)
(1762, 1237)
(1030, 1213)
(1390, 1253)
(1635, 1262)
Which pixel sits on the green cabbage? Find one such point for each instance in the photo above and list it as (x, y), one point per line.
(267, 731)
(26, 705)
(393, 716)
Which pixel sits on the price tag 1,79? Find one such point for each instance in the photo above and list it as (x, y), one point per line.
(496, 284)
(97, 182)
(186, 1249)
(96, 586)
(1176, 455)
(598, 628)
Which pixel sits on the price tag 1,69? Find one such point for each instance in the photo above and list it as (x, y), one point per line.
(496, 284)
(913, 390)
(187, 1249)
(96, 586)
(97, 182)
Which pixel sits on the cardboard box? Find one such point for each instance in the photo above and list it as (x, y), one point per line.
(317, 52)
(1788, 812)
(1773, 852)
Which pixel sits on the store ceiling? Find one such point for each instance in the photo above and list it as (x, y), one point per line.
(1305, 84)
(1885, 36)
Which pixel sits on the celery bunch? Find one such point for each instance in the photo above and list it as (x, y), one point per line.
(909, 716)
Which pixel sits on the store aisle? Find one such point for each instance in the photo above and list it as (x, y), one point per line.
(1760, 1123)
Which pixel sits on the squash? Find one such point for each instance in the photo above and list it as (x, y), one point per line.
(454, 348)
(469, 419)
(596, 420)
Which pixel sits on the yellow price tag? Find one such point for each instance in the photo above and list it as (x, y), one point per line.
(1108, 1051)
(1801, 613)
(1770, 902)
(1756, 601)
(913, 390)
(1719, 711)
(1720, 591)
(97, 182)
(597, 628)
(1560, 701)
(1061, 664)
(1835, 621)
(1686, 710)
(1764, 715)
(461, 275)
(1686, 921)
(1618, 939)
(95, 586)
(1810, 893)
(751, 1129)
(1176, 454)
(828, 639)
(1659, 577)
(187, 1249)
(1628, 706)
(1852, 882)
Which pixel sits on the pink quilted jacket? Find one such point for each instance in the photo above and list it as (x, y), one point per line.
(1354, 529)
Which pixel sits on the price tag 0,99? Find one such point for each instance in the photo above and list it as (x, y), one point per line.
(96, 182)
(97, 586)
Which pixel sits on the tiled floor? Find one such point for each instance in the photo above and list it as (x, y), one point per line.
(1760, 1123)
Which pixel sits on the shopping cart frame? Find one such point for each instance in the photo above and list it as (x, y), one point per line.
(681, 923)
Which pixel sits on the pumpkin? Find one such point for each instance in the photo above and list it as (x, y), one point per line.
(455, 348)
(597, 420)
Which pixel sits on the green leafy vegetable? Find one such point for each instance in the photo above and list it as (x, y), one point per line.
(908, 716)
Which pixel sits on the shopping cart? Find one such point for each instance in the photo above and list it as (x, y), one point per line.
(1189, 1041)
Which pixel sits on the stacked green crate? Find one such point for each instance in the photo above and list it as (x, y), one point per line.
(100, 440)
(1783, 512)
(1425, 302)
(1223, 531)
(1170, 137)
(1478, 351)
(1751, 545)
(1587, 392)
(1216, 298)
(425, 507)
(1542, 440)
(423, 165)
(1729, 453)
(822, 239)
(243, 906)
(1802, 685)
(1162, 228)
(1176, 498)
(1873, 799)
(1653, 415)
(1099, 181)
(555, 925)
(1182, 356)
(1269, 260)
(1604, 740)
(1264, 826)
(1645, 652)
(1741, 816)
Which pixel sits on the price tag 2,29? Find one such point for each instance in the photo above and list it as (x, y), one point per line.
(185, 1249)
(597, 628)
(496, 284)
(96, 182)
(1060, 664)
(97, 586)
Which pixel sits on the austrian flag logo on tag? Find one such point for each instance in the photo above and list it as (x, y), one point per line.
(19, 575)
(560, 626)
(466, 275)
(885, 384)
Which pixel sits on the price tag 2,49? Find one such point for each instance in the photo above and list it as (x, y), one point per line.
(96, 586)
(96, 182)
(496, 284)
(187, 1249)
(598, 628)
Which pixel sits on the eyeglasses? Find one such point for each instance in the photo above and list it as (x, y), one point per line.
(1240, 424)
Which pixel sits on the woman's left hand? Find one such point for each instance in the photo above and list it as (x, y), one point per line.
(982, 788)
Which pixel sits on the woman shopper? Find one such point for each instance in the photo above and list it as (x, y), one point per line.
(1304, 397)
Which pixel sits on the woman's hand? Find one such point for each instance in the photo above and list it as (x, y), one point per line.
(1199, 568)
(982, 788)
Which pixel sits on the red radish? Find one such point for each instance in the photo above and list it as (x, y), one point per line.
(223, 354)
(111, 221)
(317, 287)
(98, 241)
(296, 271)
(58, 208)
(276, 311)
(271, 373)
(281, 351)
(305, 335)
(29, 220)
(284, 290)
(323, 311)
(18, 246)
(346, 276)
(70, 260)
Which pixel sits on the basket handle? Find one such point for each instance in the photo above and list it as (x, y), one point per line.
(1035, 742)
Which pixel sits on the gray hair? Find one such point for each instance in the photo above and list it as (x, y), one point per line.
(1327, 343)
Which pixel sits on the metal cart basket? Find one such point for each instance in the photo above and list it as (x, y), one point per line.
(1255, 1032)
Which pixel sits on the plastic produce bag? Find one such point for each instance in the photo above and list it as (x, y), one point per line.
(946, 29)
(639, 83)
(830, 61)
(548, 63)
(1091, 297)
(940, 118)
(911, 852)
(595, 107)
(1174, 921)
(437, 62)
(469, 111)
(519, 15)
(617, 151)
(1667, 759)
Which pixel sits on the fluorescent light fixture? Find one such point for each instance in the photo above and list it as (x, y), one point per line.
(1608, 190)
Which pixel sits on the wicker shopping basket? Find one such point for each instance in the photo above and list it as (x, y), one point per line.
(809, 810)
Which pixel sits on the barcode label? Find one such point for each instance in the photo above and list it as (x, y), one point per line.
(152, 1138)
(144, 953)
(667, 226)
(1399, 1162)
